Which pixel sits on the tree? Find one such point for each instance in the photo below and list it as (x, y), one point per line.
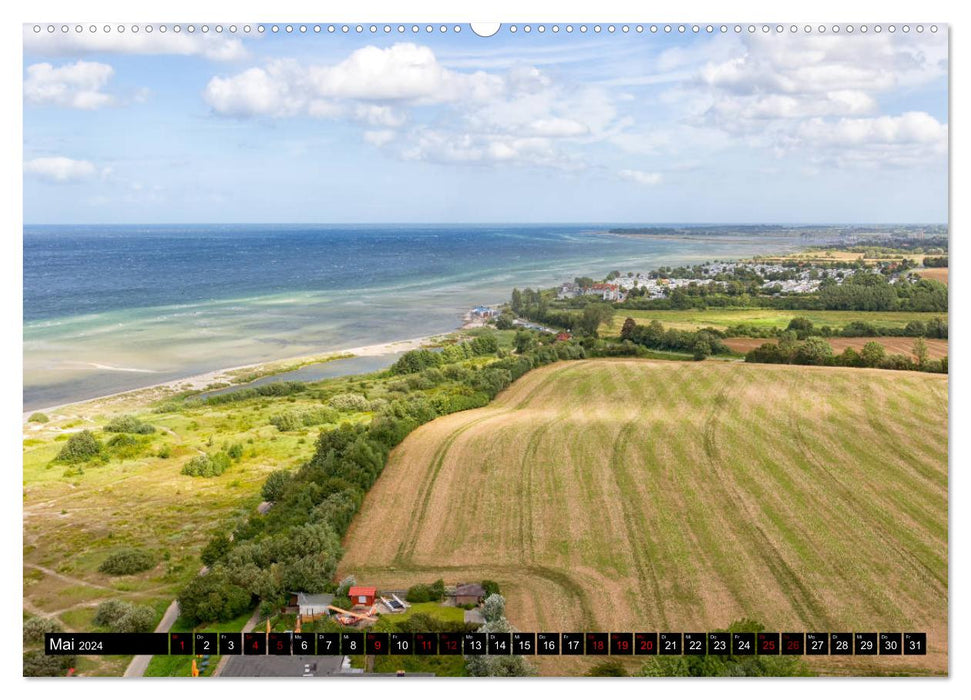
(517, 301)
(593, 316)
(872, 354)
(275, 485)
(701, 349)
(628, 328)
(920, 352)
(802, 327)
(524, 341)
(494, 608)
(813, 351)
(217, 547)
(213, 598)
(505, 320)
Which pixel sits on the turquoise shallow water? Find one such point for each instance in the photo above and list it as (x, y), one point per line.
(108, 309)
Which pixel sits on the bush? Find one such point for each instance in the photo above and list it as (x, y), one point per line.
(613, 669)
(235, 451)
(207, 466)
(122, 616)
(38, 418)
(286, 421)
(129, 424)
(36, 627)
(126, 562)
(37, 664)
(349, 403)
(80, 447)
(419, 593)
(490, 587)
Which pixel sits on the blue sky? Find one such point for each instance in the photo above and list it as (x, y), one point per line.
(432, 127)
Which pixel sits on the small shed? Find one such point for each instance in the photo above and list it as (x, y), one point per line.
(362, 595)
(311, 605)
(469, 594)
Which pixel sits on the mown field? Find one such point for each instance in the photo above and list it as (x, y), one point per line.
(936, 347)
(643, 495)
(692, 319)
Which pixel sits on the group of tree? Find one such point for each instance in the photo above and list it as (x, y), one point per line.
(700, 344)
(871, 291)
(935, 327)
(817, 351)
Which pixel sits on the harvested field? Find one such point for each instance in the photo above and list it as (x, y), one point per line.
(934, 273)
(642, 495)
(936, 348)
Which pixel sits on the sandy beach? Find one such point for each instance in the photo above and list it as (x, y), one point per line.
(229, 375)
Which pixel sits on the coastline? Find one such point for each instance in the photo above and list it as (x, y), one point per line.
(227, 375)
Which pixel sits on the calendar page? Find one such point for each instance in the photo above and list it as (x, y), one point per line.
(517, 349)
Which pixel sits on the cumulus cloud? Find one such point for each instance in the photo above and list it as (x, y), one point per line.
(216, 47)
(905, 140)
(519, 115)
(60, 169)
(79, 85)
(402, 73)
(641, 177)
(785, 94)
(797, 77)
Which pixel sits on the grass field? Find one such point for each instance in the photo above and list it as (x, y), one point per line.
(633, 494)
(936, 348)
(691, 319)
(73, 521)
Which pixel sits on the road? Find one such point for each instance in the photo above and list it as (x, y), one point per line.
(136, 669)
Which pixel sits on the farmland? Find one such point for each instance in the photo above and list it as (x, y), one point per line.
(634, 494)
(934, 273)
(692, 319)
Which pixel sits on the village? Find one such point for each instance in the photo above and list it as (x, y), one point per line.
(777, 279)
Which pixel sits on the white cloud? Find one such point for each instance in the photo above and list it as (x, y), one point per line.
(906, 140)
(379, 137)
(216, 47)
(802, 77)
(520, 115)
(79, 85)
(641, 177)
(60, 169)
(402, 73)
(908, 128)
